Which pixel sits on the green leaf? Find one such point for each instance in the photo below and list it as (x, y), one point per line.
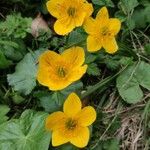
(143, 75)
(144, 2)
(15, 26)
(103, 3)
(130, 23)
(93, 69)
(139, 18)
(130, 80)
(76, 38)
(112, 62)
(126, 61)
(146, 11)
(23, 79)
(67, 147)
(3, 111)
(90, 58)
(128, 5)
(147, 48)
(15, 53)
(17, 98)
(120, 15)
(10, 43)
(4, 63)
(26, 133)
(110, 144)
(48, 101)
(54, 101)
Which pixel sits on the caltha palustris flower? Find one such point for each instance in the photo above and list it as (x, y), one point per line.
(71, 125)
(69, 14)
(57, 71)
(102, 31)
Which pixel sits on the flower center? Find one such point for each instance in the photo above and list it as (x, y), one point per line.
(71, 11)
(105, 31)
(71, 124)
(61, 72)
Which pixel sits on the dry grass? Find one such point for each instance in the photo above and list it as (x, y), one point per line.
(131, 132)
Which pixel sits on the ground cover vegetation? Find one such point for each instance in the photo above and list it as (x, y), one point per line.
(74, 74)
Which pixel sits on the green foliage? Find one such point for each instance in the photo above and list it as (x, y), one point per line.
(12, 31)
(125, 75)
(25, 133)
(130, 80)
(90, 58)
(93, 69)
(24, 78)
(15, 26)
(128, 5)
(103, 3)
(53, 101)
(66, 147)
(111, 144)
(3, 111)
(76, 38)
(4, 62)
(17, 98)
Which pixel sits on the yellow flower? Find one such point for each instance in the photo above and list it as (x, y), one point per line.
(69, 14)
(102, 32)
(57, 71)
(71, 125)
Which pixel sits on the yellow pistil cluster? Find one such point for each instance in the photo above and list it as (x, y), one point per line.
(71, 124)
(71, 11)
(61, 72)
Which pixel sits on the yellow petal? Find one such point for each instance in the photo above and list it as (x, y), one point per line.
(102, 14)
(77, 73)
(53, 7)
(79, 19)
(55, 120)
(102, 18)
(58, 138)
(82, 138)
(75, 56)
(64, 26)
(49, 58)
(90, 26)
(110, 45)
(72, 105)
(86, 116)
(56, 85)
(47, 62)
(43, 74)
(88, 8)
(114, 26)
(93, 44)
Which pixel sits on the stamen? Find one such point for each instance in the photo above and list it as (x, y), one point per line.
(71, 124)
(61, 72)
(105, 31)
(71, 11)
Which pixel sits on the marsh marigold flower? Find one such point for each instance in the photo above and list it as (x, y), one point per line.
(102, 32)
(69, 14)
(57, 71)
(71, 125)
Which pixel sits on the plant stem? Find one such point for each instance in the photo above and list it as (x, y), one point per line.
(100, 84)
